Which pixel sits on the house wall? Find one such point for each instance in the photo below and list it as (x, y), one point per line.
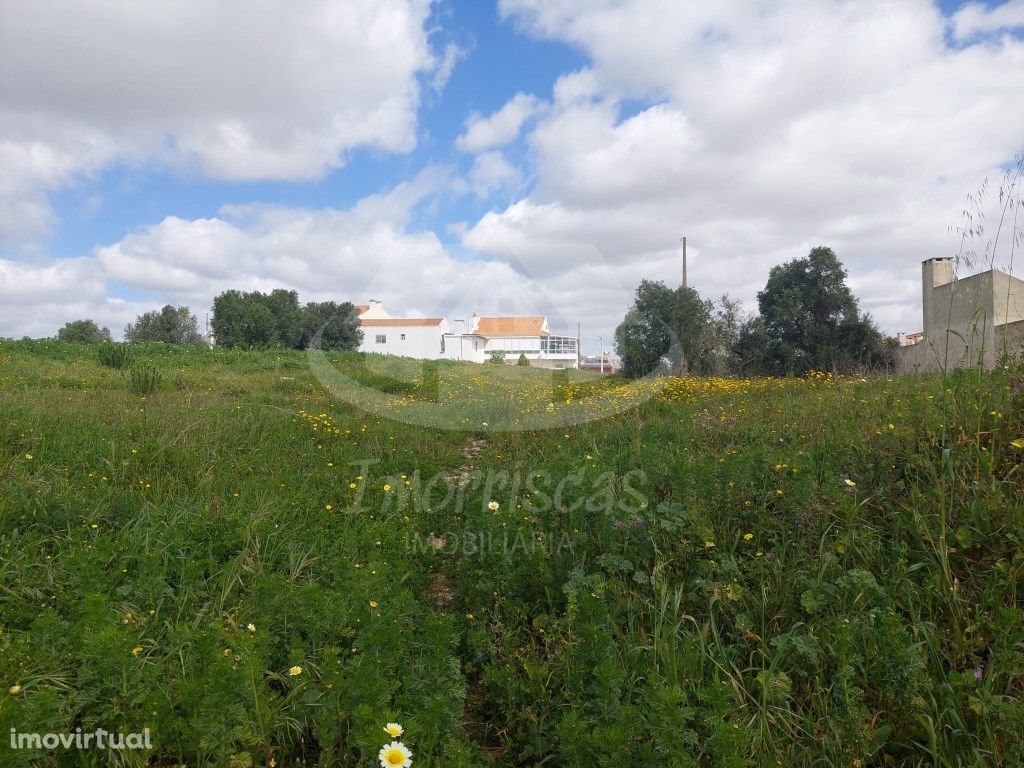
(1008, 298)
(1010, 339)
(958, 326)
(514, 344)
(422, 342)
(459, 347)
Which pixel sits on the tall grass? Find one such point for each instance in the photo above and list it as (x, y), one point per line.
(820, 573)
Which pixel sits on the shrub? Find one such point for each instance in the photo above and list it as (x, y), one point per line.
(522, 360)
(112, 355)
(496, 356)
(145, 380)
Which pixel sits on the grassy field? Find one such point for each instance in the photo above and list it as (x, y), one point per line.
(731, 573)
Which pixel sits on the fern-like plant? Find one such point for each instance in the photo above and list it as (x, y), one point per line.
(113, 355)
(145, 380)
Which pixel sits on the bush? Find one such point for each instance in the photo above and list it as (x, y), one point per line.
(522, 360)
(145, 380)
(496, 356)
(112, 355)
(83, 332)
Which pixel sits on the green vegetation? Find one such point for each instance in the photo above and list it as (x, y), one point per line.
(265, 320)
(113, 355)
(736, 572)
(809, 321)
(83, 332)
(170, 325)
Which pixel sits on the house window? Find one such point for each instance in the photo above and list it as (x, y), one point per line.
(403, 337)
(382, 339)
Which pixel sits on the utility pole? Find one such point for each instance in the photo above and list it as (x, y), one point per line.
(600, 341)
(579, 341)
(684, 260)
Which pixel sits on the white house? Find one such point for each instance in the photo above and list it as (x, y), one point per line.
(431, 338)
(512, 336)
(418, 337)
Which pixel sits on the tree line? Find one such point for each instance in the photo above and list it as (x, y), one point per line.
(244, 320)
(808, 320)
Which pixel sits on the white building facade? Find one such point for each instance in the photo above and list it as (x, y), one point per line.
(476, 340)
(418, 337)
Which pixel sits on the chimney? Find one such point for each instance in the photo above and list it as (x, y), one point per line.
(374, 302)
(934, 272)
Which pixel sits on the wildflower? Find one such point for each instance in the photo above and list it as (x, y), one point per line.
(394, 730)
(94, 526)
(295, 671)
(251, 627)
(977, 672)
(708, 544)
(1018, 443)
(386, 487)
(748, 536)
(493, 506)
(328, 507)
(395, 755)
(848, 485)
(136, 650)
(14, 690)
(373, 603)
(28, 456)
(352, 485)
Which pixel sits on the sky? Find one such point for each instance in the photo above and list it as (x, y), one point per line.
(509, 157)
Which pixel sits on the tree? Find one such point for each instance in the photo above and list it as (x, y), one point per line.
(245, 320)
(340, 324)
(811, 320)
(171, 325)
(259, 320)
(667, 328)
(83, 332)
(288, 323)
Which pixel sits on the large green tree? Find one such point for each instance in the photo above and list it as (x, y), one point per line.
(259, 320)
(83, 332)
(670, 329)
(171, 325)
(337, 324)
(811, 321)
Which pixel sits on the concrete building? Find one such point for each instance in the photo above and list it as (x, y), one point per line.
(968, 321)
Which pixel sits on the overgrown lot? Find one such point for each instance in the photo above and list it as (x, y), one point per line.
(731, 573)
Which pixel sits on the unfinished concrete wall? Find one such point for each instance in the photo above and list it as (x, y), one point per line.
(1010, 339)
(1008, 298)
(959, 328)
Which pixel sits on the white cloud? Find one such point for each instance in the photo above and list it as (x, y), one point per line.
(270, 91)
(491, 171)
(975, 18)
(500, 127)
(771, 128)
(365, 251)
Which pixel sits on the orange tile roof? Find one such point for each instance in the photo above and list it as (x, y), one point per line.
(512, 326)
(399, 322)
(360, 308)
